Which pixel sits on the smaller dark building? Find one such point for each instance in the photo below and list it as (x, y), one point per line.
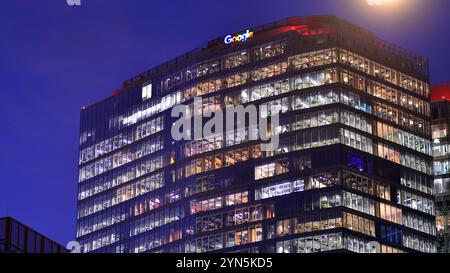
(440, 95)
(16, 237)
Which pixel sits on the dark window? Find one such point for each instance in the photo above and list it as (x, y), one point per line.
(355, 161)
(14, 233)
(2, 229)
(391, 234)
(47, 246)
(21, 243)
(31, 242)
(38, 243)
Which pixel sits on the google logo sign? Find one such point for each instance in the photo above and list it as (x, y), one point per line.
(239, 38)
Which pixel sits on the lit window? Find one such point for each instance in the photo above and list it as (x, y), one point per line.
(147, 91)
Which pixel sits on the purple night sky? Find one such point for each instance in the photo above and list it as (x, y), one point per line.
(55, 59)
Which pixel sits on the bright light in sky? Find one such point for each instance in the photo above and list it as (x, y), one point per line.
(379, 2)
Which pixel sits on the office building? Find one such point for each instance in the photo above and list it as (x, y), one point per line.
(440, 96)
(16, 237)
(352, 172)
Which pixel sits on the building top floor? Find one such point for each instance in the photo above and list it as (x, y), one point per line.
(304, 34)
(311, 29)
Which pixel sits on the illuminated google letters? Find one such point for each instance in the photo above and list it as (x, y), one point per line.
(239, 38)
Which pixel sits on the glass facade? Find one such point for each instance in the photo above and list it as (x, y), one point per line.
(441, 154)
(15, 237)
(353, 166)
